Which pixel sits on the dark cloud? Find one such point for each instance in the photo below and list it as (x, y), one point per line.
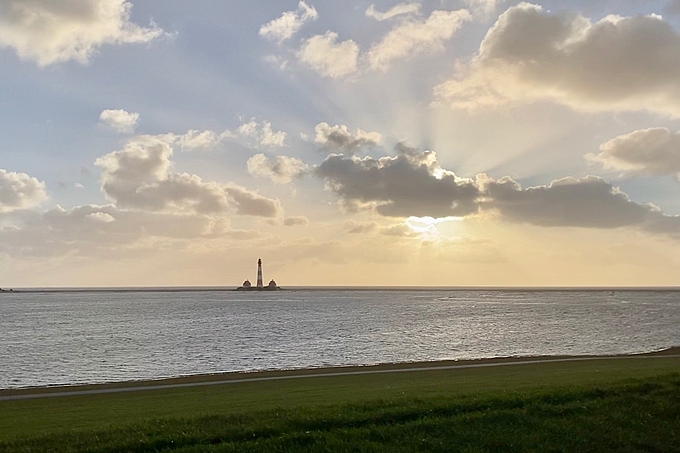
(414, 184)
(280, 169)
(654, 151)
(590, 202)
(410, 184)
(339, 138)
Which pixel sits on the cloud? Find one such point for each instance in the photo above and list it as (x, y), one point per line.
(296, 221)
(416, 36)
(195, 140)
(328, 57)
(281, 169)
(48, 31)
(119, 120)
(251, 133)
(92, 229)
(654, 151)
(672, 8)
(140, 177)
(20, 191)
(413, 184)
(262, 134)
(483, 7)
(353, 227)
(101, 217)
(289, 23)
(618, 63)
(590, 202)
(251, 203)
(410, 184)
(400, 230)
(339, 138)
(397, 10)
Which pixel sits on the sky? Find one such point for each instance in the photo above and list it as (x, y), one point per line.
(416, 143)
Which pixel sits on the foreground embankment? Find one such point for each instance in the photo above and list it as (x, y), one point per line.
(608, 404)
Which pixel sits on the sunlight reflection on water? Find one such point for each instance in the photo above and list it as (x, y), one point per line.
(83, 337)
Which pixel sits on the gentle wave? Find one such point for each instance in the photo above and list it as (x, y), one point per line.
(75, 337)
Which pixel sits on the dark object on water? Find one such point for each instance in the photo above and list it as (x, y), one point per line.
(255, 288)
(247, 286)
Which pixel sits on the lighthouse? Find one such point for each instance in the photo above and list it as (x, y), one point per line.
(259, 286)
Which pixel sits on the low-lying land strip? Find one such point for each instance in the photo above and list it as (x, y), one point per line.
(614, 404)
(237, 378)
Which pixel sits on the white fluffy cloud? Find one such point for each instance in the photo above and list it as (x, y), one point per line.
(618, 63)
(415, 36)
(140, 176)
(338, 137)
(411, 35)
(20, 191)
(397, 10)
(328, 57)
(48, 31)
(119, 120)
(251, 133)
(262, 134)
(289, 23)
(200, 140)
(281, 169)
(654, 151)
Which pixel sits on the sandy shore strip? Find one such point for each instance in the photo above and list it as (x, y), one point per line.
(255, 376)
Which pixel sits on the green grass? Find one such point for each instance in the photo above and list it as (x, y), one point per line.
(608, 405)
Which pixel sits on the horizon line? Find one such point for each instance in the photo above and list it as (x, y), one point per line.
(160, 288)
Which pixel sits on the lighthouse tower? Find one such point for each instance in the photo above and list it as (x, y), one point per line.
(259, 286)
(259, 273)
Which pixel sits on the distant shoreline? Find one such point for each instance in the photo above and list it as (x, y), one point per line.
(171, 289)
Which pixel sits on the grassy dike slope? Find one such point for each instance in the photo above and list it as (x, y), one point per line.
(593, 405)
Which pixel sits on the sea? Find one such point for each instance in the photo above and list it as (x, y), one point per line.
(70, 337)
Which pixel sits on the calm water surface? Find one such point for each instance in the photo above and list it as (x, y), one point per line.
(85, 337)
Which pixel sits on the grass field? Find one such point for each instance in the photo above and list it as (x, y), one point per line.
(602, 405)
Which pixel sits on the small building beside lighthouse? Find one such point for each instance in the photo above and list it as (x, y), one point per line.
(247, 286)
